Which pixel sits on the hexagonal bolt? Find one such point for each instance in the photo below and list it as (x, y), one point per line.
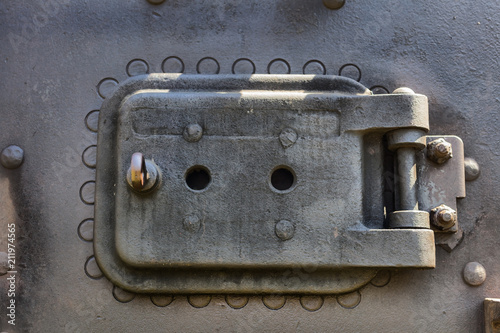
(439, 151)
(443, 217)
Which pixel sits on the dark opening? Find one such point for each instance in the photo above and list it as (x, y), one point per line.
(198, 178)
(282, 179)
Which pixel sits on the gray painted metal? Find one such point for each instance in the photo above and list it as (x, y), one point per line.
(60, 58)
(141, 242)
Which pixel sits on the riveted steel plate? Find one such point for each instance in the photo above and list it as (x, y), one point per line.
(164, 239)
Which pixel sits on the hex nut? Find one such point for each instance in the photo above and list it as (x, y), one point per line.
(443, 217)
(12, 157)
(474, 273)
(439, 151)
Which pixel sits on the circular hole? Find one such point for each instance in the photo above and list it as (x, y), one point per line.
(282, 178)
(198, 178)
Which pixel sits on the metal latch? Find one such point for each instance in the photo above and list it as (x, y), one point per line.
(267, 184)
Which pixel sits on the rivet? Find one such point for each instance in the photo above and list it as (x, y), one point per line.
(288, 137)
(284, 229)
(12, 157)
(192, 223)
(192, 133)
(472, 170)
(474, 274)
(156, 2)
(334, 4)
(403, 91)
(4, 263)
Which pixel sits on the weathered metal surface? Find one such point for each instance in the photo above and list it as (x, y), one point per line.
(492, 315)
(140, 241)
(55, 53)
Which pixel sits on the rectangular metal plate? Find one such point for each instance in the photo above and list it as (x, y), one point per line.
(239, 212)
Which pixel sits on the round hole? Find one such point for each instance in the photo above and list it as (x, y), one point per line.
(198, 178)
(282, 178)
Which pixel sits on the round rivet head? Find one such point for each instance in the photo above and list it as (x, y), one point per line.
(156, 2)
(12, 157)
(334, 4)
(284, 230)
(403, 91)
(474, 274)
(192, 133)
(471, 169)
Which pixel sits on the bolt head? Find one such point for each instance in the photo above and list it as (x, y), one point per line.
(439, 151)
(192, 133)
(12, 157)
(443, 217)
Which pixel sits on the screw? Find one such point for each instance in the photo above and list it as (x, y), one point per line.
(439, 151)
(284, 230)
(288, 137)
(192, 133)
(334, 4)
(12, 157)
(443, 217)
(474, 274)
(471, 169)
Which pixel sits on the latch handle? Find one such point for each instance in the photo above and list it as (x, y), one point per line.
(138, 171)
(143, 175)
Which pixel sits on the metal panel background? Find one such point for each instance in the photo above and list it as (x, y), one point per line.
(54, 54)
